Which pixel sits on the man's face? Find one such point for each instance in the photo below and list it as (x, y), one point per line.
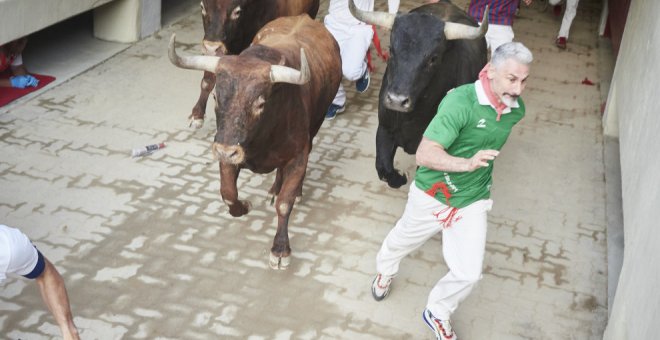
(508, 80)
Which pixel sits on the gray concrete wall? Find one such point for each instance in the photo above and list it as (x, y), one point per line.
(119, 21)
(23, 17)
(633, 98)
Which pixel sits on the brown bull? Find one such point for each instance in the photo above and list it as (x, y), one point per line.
(230, 26)
(268, 112)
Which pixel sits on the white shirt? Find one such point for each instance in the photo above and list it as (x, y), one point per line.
(17, 254)
(339, 13)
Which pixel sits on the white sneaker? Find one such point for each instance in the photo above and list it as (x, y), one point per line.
(442, 328)
(380, 287)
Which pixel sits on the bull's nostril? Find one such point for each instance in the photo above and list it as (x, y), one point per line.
(406, 103)
(210, 48)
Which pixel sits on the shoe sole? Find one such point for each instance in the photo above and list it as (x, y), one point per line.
(428, 323)
(373, 292)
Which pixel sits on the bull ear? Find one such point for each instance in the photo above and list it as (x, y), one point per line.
(204, 63)
(455, 31)
(382, 19)
(284, 74)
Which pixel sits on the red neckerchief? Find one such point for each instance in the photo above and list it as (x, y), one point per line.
(485, 82)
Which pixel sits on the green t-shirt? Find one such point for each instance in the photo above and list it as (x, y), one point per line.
(463, 126)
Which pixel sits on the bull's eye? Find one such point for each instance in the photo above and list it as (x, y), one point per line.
(432, 60)
(258, 105)
(201, 4)
(236, 13)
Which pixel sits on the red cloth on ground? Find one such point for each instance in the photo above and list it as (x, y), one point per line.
(9, 94)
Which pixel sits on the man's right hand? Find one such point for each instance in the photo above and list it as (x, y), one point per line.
(23, 81)
(481, 158)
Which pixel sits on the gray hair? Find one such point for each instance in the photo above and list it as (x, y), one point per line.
(514, 50)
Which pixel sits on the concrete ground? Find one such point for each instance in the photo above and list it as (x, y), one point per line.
(148, 250)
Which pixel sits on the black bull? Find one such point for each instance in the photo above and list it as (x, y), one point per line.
(433, 48)
(268, 112)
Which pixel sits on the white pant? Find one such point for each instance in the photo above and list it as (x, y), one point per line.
(354, 41)
(498, 35)
(569, 15)
(463, 246)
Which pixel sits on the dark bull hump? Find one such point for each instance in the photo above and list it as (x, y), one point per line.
(446, 11)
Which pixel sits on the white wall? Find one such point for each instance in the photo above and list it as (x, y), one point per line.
(635, 99)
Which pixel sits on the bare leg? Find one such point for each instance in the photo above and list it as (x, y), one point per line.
(55, 296)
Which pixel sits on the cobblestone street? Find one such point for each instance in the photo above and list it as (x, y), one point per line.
(148, 249)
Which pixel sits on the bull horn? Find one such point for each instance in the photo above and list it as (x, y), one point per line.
(204, 63)
(381, 19)
(284, 74)
(455, 31)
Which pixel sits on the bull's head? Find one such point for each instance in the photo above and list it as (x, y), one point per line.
(243, 87)
(418, 42)
(228, 25)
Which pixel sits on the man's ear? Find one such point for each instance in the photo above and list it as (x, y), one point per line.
(491, 71)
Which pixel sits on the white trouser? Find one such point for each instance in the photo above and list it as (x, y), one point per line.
(569, 15)
(498, 35)
(463, 246)
(353, 43)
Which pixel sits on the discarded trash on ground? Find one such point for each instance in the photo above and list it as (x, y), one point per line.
(147, 150)
(586, 81)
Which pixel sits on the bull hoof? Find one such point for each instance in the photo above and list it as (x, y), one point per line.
(396, 180)
(247, 205)
(279, 263)
(298, 199)
(240, 209)
(196, 123)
